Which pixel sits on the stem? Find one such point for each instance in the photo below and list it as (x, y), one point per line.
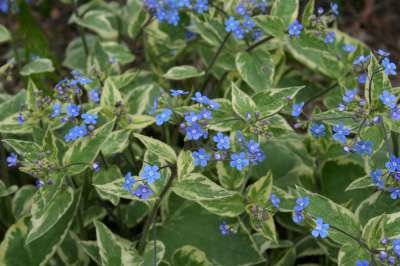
(214, 59)
(395, 141)
(370, 89)
(386, 137)
(256, 44)
(359, 241)
(153, 213)
(103, 158)
(148, 21)
(321, 93)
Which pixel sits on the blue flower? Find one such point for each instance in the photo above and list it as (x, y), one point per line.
(94, 95)
(362, 263)
(231, 24)
(20, 118)
(191, 117)
(176, 93)
(275, 200)
(73, 110)
(349, 48)
(195, 132)
(201, 6)
(255, 154)
(241, 9)
(223, 142)
(388, 99)
(224, 228)
(205, 114)
(248, 24)
(389, 67)
(201, 157)
(376, 178)
(297, 217)
(317, 130)
(382, 52)
(321, 229)
(12, 160)
(239, 160)
(361, 60)
(393, 165)
(89, 119)
(330, 37)
(302, 203)
(143, 192)
(79, 78)
(295, 28)
(39, 183)
(297, 109)
(340, 133)
(395, 193)
(335, 9)
(320, 10)
(363, 147)
(75, 133)
(396, 246)
(150, 173)
(163, 117)
(395, 113)
(349, 95)
(362, 78)
(95, 166)
(56, 110)
(129, 181)
(200, 98)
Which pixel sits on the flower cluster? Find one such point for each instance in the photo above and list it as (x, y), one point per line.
(388, 179)
(147, 176)
(168, 11)
(301, 204)
(242, 23)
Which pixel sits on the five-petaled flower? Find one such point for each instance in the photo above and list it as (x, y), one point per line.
(321, 229)
(295, 29)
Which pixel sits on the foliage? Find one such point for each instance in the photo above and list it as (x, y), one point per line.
(196, 132)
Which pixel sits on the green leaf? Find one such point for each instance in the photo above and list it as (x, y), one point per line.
(242, 104)
(40, 65)
(12, 105)
(26, 149)
(118, 51)
(157, 147)
(312, 52)
(350, 253)
(116, 142)
(105, 176)
(333, 214)
(308, 13)
(110, 95)
(137, 122)
(4, 34)
(256, 68)
(142, 94)
(287, 10)
(374, 230)
(360, 183)
(22, 201)
(148, 256)
(229, 177)
(214, 198)
(380, 82)
(183, 72)
(270, 101)
(70, 251)
(376, 204)
(190, 256)
(14, 251)
(97, 21)
(83, 152)
(224, 118)
(272, 25)
(46, 215)
(260, 191)
(191, 225)
(6, 191)
(113, 249)
(92, 250)
(135, 17)
(185, 164)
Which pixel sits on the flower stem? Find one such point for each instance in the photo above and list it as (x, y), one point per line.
(153, 213)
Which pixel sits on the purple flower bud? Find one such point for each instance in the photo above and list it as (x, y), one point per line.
(382, 255)
(297, 125)
(384, 241)
(341, 107)
(347, 149)
(377, 119)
